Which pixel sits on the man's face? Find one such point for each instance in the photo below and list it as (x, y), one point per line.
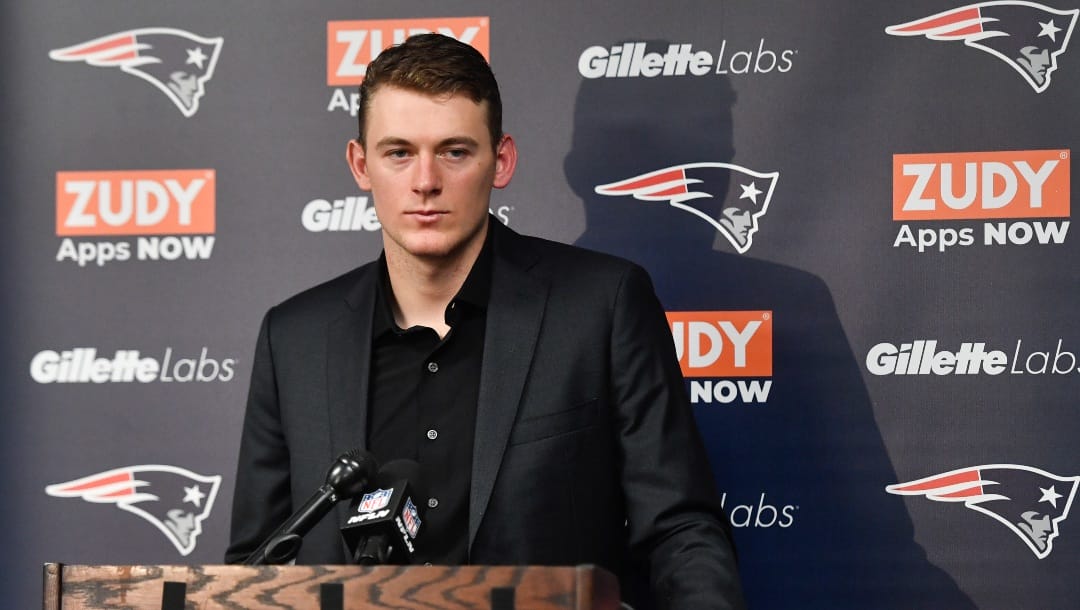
(430, 166)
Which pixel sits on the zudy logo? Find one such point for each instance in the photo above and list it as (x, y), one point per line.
(176, 62)
(135, 202)
(978, 186)
(352, 45)
(726, 356)
(1027, 36)
(146, 203)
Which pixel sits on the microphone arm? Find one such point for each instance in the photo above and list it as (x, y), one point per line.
(346, 478)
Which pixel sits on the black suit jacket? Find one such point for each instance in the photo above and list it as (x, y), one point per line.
(585, 450)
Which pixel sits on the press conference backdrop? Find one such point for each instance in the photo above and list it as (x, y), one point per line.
(858, 216)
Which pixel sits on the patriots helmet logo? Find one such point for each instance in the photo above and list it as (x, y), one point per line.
(174, 500)
(1027, 36)
(692, 188)
(178, 63)
(1029, 501)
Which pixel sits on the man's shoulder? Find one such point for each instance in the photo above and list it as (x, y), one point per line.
(330, 296)
(568, 260)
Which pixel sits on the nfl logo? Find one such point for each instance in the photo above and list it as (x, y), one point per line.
(411, 518)
(375, 500)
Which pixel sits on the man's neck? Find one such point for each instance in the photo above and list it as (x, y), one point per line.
(423, 287)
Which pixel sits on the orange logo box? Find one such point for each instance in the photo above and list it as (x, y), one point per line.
(136, 202)
(352, 45)
(975, 186)
(723, 343)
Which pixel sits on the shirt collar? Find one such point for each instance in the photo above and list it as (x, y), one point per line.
(471, 297)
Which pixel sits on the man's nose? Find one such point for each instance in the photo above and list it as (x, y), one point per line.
(427, 180)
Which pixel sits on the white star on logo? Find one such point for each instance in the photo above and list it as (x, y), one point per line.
(196, 56)
(1050, 495)
(1049, 29)
(749, 191)
(194, 495)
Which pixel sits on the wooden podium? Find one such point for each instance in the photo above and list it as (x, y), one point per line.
(221, 587)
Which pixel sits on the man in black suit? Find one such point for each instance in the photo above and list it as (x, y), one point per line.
(535, 383)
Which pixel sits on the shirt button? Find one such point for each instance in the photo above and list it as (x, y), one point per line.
(433, 367)
(432, 434)
(432, 502)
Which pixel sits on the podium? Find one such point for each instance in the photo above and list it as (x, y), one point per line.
(221, 587)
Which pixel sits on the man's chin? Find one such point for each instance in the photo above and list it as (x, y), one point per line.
(428, 249)
(435, 250)
(438, 245)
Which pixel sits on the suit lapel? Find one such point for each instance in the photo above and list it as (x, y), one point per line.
(348, 356)
(515, 311)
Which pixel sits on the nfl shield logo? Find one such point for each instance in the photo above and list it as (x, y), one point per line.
(411, 518)
(375, 500)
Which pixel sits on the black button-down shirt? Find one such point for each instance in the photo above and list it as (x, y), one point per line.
(423, 406)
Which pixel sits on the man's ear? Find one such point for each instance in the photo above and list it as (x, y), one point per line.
(357, 160)
(505, 161)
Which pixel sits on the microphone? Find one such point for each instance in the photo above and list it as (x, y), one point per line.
(383, 524)
(347, 477)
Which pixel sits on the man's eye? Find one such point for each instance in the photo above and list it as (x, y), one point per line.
(457, 153)
(397, 154)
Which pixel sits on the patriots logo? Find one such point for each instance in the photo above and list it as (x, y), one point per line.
(1027, 36)
(178, 63)
(1029, 501)
(697, 182)
(174, 500)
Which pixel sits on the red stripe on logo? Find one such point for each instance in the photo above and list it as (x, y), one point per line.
(116, 478)
(942, 20)
(967, 476)
(105, 45)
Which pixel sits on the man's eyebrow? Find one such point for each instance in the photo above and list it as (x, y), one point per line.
(394, 141)
(460, 141)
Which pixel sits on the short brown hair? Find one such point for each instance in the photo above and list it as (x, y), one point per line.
(434, 64)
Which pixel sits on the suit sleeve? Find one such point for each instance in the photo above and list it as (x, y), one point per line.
(261, 501)
(675, 519)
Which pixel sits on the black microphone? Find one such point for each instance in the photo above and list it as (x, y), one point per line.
(383, 523)
(347, 477)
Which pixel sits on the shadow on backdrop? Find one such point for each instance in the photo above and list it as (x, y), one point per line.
(803, 475)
